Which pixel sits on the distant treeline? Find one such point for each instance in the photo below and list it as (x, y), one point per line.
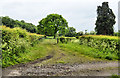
(9, 22)
(68, 31)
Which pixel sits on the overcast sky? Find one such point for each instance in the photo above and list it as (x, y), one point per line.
(80, 14)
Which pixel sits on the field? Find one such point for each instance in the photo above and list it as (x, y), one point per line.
(53, 40)
(22, 50)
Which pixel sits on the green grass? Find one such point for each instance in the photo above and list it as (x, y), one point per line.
(115, 76)
(38, 51)
(49, 41)
(62, 55)
(50, 37)
(17, 42)
(69, 53)
(34, 53)
(41, 49)
(72, 53)
(92, 52)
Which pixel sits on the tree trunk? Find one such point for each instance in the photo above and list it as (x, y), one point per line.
(55, 32)
(57, 40)
(54, 36)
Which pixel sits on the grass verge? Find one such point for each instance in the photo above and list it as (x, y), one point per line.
(92, 52)
(38, 51)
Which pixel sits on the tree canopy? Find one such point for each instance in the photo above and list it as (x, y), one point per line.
(9, 22)
(71, 32)
(105, 20)
(52, 24)
(79, 33)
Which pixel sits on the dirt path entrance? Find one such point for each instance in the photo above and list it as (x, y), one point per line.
(88, 69)
(60, 63)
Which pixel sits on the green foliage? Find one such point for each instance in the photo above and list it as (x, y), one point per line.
(62, 62)
(51, 24)
(110, 47)
(77, 37)
(86, 33)
(105, 20)
(92, 32)
(102, 37)
(115, 76)
(9, 22)
(117, 33)
(71, 32)
(65, 39)
(62, 40)
(15, 41)
(37, 51)
(89, 51)
(79, 33)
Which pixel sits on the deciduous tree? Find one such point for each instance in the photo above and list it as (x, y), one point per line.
(71, 32)
(52, 24)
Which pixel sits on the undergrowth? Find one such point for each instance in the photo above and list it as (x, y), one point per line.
(92, 52)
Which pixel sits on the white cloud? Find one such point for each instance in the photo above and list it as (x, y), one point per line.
(80, 14)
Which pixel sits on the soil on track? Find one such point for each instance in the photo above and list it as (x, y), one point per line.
(44, 67)
(88, 69)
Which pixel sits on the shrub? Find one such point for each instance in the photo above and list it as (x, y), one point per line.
(62, 40)
(108, 45)
(77, 37)
(14, 42)
(65, 39)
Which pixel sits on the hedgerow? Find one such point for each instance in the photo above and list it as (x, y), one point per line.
(107, 45)
(65, 39)
(14, 42)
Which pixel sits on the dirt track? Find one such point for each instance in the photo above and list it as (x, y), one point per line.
(44, 67)
(87, 69)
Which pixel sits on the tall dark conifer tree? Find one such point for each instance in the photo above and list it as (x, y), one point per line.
(105, 20)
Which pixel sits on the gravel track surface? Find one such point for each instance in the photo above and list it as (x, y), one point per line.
(90, 68)
(87, 69)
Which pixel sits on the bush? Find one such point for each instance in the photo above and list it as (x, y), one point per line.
(108, 46)
(79, 33)
(62, 40)
(77, 37)
(14, 42)
(65, 39)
